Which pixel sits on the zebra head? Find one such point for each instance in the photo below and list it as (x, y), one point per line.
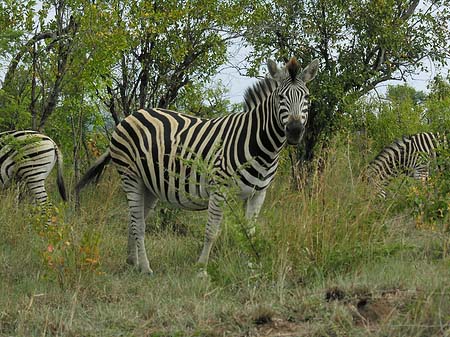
(292, 96)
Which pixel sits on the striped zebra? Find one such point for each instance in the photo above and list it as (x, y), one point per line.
(162, 154)
(410, 155)
(28, 157)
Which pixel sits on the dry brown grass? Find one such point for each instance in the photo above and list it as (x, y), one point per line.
(327, 261)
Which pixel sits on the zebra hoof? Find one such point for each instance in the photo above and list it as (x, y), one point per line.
(203, 274)
(147, 272)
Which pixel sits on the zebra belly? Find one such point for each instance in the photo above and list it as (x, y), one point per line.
(188, 192)
(184, 187)
(171, 188)
(188, 195)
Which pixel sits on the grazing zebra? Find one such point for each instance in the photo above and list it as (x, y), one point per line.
(410, 155)
(157, 154)
(28, 157)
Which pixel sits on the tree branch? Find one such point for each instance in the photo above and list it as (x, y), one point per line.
(26, 47)
(410, 10)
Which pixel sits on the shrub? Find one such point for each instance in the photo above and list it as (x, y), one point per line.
(430, 201)
(64, 254)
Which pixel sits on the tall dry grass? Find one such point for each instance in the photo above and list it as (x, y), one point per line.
(386, 277)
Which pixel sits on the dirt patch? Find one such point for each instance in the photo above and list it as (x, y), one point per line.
(263, 321)
(371, 311)
(369, 308)
(278, 327)
(334, 294)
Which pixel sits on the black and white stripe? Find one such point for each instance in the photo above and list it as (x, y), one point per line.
(28, 157)
(410, 155)
(185, 160)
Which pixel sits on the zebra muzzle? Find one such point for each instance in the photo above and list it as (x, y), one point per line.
(294, 131)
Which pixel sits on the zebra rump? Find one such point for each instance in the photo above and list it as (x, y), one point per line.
(28, 157)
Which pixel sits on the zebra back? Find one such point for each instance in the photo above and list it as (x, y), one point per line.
(409, 155)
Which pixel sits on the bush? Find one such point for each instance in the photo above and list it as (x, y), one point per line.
(65, 255)
(431, 202)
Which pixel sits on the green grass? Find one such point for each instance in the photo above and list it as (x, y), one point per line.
(326, 261)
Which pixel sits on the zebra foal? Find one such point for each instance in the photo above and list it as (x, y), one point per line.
(155, 152)
(28, 157)
(410, 155)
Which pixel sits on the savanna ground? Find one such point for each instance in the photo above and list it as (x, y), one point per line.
(330, 260)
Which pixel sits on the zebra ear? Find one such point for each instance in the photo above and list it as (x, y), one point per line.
(310, 71)
(274, 71)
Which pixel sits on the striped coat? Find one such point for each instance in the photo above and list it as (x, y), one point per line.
(28, 157)
(410, 155)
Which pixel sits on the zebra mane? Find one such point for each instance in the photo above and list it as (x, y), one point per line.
(258, 93)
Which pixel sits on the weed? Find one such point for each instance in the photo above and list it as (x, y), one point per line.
(64, 254)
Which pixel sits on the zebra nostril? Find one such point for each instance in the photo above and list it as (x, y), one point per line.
(288, 128)
(294, 127)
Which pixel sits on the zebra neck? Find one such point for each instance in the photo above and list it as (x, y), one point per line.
(268, 127)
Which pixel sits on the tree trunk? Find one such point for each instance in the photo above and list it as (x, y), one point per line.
(33, 109)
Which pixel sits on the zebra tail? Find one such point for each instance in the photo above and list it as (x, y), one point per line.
(94, 171)
(60, 177)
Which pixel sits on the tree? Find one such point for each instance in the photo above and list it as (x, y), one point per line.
(400, 113)
(39, 60)
(126, 54)
(170, 44)
(438, 105)
(360, 44)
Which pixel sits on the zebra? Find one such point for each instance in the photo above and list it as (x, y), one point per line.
(155, 152)
(411, 155)
(28, 157)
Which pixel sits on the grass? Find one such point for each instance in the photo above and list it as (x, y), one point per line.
(326, 261)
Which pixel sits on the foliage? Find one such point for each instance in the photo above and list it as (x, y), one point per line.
(437, 105)
(400, 112)
(17, 146)
(64, 258)
(431, 200)
(169, 45)
(360, 44)
(206, 102)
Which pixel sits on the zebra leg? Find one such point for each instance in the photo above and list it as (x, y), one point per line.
(38, 191)
(149, 203)
(253, 207)
(135, 191)
(215, 215)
